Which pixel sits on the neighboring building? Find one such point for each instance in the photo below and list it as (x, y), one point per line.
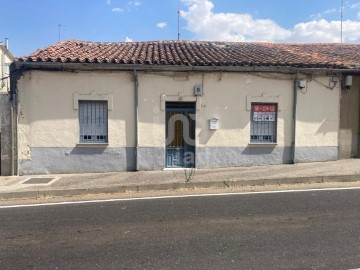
(6, 58)
(102, 107)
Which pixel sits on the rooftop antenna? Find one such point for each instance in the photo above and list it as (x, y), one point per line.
(341, 21)
(178, 12)
(59, 30)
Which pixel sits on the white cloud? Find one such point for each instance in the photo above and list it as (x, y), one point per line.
(209, 25)
(127, 39)
(356, 5)
(326, 31)
(316, 16)
(318, 30)
(161, 25)
(135, 3)
(118, 10)
(108, 2)
(329, 11)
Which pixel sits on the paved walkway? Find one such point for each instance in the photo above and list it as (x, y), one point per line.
(78, 184)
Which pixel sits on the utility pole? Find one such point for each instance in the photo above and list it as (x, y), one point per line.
(341, 20)
(178, 19)
(59, 30)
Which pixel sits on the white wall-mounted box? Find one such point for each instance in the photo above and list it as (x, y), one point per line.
(198, 90)
(214, 124)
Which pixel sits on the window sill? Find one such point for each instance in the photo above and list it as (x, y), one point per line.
(262, 144)
(92, 145)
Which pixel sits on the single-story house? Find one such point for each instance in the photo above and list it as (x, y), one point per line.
(107, 106)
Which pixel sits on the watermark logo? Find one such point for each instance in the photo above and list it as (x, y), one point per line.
(185, 124)
(180, 140)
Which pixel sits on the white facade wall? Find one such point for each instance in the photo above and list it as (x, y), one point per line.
(49, 125)
(318, 121)
(5, 60)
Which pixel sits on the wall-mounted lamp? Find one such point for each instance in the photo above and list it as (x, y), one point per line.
(348, 82)
(302, 84)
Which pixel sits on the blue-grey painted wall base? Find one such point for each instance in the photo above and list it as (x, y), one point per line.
(78, 160)
(84, 160)
(221, 157)
(313, 154)
(151, 158)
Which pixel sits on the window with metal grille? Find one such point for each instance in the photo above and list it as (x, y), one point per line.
(93, 121)
(263, 123)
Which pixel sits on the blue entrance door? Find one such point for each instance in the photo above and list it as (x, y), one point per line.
(180, 134)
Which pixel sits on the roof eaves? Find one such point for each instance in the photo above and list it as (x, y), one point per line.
(61, 66)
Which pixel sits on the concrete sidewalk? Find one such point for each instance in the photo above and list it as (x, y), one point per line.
(80, 184)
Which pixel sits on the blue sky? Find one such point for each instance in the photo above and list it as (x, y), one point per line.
(33, 24)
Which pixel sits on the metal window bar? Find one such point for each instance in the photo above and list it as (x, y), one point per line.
(263, 130)
(93, 121)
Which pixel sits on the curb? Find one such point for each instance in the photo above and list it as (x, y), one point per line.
(177, 185)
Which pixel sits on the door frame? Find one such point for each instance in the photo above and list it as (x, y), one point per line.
(191, 106)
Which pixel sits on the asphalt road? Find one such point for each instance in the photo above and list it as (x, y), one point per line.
(302, 230)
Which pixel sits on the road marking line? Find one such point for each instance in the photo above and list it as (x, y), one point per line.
(178, 196)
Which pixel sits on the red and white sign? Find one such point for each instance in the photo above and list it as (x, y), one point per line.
(266, 113)
(264, 108)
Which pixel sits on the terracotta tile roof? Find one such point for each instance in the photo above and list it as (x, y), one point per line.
(202, 53)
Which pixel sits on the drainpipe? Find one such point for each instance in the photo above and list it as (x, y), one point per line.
(293, 145)
(17, 133)
(12, 145)
(136, 88)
